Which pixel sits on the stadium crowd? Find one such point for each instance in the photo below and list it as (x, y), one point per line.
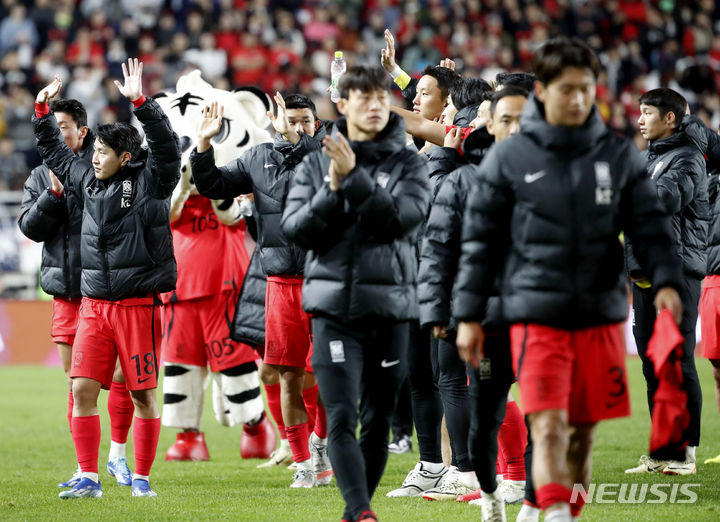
(287, 45)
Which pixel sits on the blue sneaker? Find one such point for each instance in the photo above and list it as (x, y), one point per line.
(86, 488)
(72, 482)
(118, 468)
(141, 488)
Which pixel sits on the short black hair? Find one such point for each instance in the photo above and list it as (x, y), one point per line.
(558, 53)
(469, 91)
(509, 90)
(363, 78)
(72, 107)
(445, 77)
(300, 101)
(666, 100)
(120, 137)
(520, 79)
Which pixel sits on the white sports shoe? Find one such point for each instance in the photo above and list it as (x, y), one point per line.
(417, 481)
(493, 507)
(320, 461)
(528, 514)
(648, 465)
(677, 467)
(303, 478)
(450, 487)
(512, 491)
(280, 457)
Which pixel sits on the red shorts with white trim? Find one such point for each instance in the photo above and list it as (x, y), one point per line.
(128, 330)
(288, 339)
(579, 371)
(710, 317)
(197, 332)
(64, 319)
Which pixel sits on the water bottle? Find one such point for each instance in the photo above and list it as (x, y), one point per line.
(337, 69)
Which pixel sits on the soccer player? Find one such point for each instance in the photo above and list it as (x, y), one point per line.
(677, 167)
(266, 170)
(474, 452)
(56, 222)
(127, 258)
(356, 207)
(544, 217)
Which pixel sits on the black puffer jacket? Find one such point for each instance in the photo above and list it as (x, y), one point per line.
(678, 169)
(546, 213)
(361, 239)
(708, 142)
(56, 221)
(126, 244)
(265, 170)
(249, 322)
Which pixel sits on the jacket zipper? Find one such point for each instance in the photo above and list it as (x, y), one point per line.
(103, 248)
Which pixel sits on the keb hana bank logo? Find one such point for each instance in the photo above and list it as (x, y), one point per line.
(625, 493)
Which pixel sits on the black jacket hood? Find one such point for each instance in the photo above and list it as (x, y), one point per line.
(388, 141)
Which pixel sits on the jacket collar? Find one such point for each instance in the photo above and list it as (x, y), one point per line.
(388, 141)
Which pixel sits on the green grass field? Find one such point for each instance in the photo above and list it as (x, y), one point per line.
(36, 453)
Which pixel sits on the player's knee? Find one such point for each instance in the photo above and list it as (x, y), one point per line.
(549, 430)
(84, 394)
(582, 439)
(144, 399)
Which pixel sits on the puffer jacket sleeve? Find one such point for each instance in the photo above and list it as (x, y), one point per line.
(485, 239)
(677, 187)
(440, 253)
(311, 214)
(41, 211)
(390, 214)
(441, 162)
(649, 228)
(164, 145)
(59, 158)
(224, 182)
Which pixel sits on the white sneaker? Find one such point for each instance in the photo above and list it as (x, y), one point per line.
(303, 478)
(450, 487)
(280, 457)
(320, 461)
(528, 514)
(512, 491)
(418, 480)
(648, 465)
(493, 507)
(676, 467)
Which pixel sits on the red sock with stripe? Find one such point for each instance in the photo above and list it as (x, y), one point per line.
(512, 438)
(121, 409)
(86, 437)
(297, 437)
(272, 392)
(145, 436)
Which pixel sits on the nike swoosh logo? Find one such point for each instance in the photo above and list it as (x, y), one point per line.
(532, 178)
(268, 165)
(140, 381)
(386, 364)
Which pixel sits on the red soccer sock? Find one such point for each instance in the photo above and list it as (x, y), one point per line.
(576, 507)
(552, 493)
(145, 440)
(500, 466)
(86, 437)
(321, 422)
(121, 409)
(297, 437)
(310, 400)
(272, 392)
(512, 438)
(71, 402)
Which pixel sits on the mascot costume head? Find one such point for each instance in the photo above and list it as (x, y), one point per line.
(244, 126)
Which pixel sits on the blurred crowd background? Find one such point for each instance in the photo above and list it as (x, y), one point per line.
(288, 45)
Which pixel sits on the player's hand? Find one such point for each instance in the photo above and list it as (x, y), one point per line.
(210, 125)
(387, 55)
(342, 157)
(454, 138)
(668, 298)
(447, 63)
(439, 332)
(55, 184)
(49, 92)
(280, 123)
(132, 89)
(470, 341)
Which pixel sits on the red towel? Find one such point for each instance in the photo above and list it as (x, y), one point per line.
(670, 418)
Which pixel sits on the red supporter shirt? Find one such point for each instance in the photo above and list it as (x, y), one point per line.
(211, 257)
(465, 133)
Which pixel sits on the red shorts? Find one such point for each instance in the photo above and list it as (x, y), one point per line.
(64, 320)
(288, 341)
(580, 371)
(197, 332)
(710, 317)
(128, 330)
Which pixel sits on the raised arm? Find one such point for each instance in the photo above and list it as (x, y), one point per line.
(420, 127)
(43, 208)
